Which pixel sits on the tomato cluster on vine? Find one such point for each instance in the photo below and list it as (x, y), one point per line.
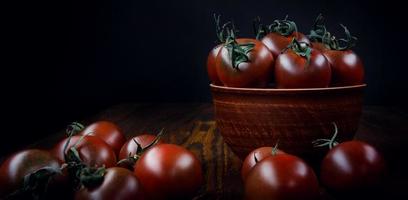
(282, 57)
(97, 162)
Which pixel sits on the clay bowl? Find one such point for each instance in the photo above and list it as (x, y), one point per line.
(249, 118)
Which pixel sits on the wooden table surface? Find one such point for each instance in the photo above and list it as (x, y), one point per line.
(193, 126)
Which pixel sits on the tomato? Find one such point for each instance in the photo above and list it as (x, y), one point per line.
(168, 171)
(127, 155)
(302, 67)
(352, 166)
(93, 151)
(130, 147)
(281, 177)
(276, 42)
(23, 163)
(211, 68)
(347, 67)
(256, 71)
(118, 183)
(108, 132)
(260, 154)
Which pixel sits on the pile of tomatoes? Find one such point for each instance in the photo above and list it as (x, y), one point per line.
(349, 168)
(97, 162)
(282, 57)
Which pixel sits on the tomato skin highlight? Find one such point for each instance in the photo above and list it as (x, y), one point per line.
(118, 184)
(255, 73)
(168, 171)
(93, 151)
(276, 42)
(211, 66)
(352, 166)
(292, 70)
(108, 132)
(249, 162)
(281, 177)
(347, 67)
(17, 166)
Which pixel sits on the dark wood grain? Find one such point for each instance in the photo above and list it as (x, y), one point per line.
(193, 126)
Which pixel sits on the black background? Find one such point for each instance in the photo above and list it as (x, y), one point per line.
(64, 60)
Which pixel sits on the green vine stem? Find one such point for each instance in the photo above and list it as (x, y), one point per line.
(131, 159)
(260, 29)
(318, 31)
(274, 152)
(220, 30)
(74, 128)
(349, 41)
(327, 142)
(275, 149)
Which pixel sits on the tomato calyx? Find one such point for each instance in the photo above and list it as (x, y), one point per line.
(283, 27)
(327, 142)
(35, 184)
(301, 49)
(91, 177)
(238, 52)
(132, 159)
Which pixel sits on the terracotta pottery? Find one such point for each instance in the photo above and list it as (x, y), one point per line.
(249, 118)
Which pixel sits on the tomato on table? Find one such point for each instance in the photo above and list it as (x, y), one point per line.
(168, 171)
(93, 151)
(117, 184)
(256, 156)
(108, 132)
(280, 177)
(28, 162)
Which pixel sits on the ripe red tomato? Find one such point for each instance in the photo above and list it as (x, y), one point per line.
(93, 151)
(276, 42)
(260, 154)
(108, 132)
(17, 166)
(211, 67)
(302, 67)
(347, 67)
(281, 177)
(168, 171)
(253, 70)
(130, 147)
(352, 166)
(118, 184)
